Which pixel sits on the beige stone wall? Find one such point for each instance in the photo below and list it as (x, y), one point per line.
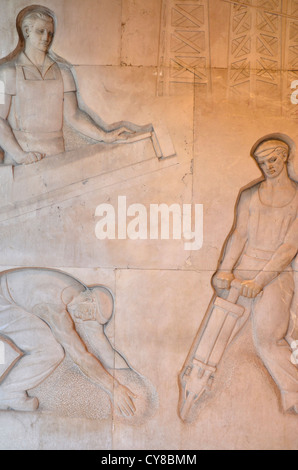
(173, 63)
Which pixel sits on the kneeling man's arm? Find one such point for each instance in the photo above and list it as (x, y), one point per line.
(65, 333)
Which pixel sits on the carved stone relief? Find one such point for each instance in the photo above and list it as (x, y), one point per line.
(35, 102)
(184, 47)
(291, 55)
(255, 45)
(41, 91)
(262, 46)
(93, 329)
(46, 314)
(256, 264)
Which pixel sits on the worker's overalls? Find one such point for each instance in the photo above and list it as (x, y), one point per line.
(271, 310)
(36, 114)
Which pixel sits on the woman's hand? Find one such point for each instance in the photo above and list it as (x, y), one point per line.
(29, 157)
(121, 134)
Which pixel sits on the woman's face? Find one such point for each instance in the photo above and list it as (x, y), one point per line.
(40, 35)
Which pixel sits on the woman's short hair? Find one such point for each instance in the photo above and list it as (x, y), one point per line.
(29, 20)
(29, 15)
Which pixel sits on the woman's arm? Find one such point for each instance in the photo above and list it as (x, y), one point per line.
(8, 141)
(83, 123)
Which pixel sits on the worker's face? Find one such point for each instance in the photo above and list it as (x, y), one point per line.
(83, 307)
(40, 35)
(273, 164)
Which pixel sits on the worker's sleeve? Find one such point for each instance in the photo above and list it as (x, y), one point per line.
(7, 79)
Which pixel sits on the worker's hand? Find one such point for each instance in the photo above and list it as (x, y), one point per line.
(250, 289)
(124, 400)
(222, 280)
(121, 134)
(29, 157)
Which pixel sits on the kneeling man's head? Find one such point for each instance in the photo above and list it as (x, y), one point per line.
(93, 304)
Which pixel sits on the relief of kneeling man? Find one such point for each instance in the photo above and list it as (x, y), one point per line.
(47, 313)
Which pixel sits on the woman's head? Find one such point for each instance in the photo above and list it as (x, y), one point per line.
(36, 26)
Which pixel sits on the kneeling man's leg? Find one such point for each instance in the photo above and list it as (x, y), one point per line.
(42, 354)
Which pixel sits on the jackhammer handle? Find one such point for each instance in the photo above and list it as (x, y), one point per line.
(235, 291)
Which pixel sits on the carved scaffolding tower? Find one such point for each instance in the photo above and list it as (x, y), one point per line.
(263, 48)
(184, 55)
(291, 56)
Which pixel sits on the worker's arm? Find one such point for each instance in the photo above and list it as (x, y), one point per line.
(235, 244)
(8, 141)
(64, 331)
(278, 263)
(100, 346)
(281, 259)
